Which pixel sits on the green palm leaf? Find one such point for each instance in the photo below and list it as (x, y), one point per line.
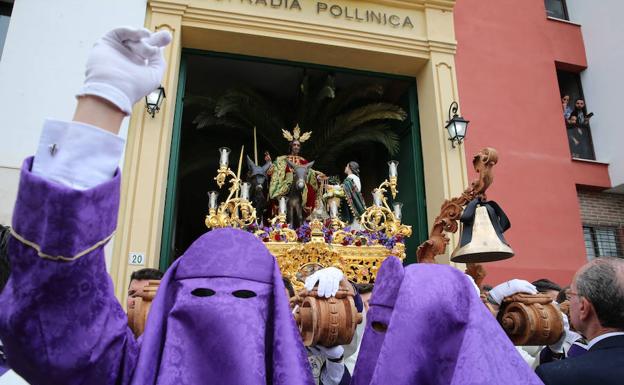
(376, 133)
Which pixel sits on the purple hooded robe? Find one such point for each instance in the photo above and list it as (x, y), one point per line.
(441, 333)
(220, 315)
(381, 303)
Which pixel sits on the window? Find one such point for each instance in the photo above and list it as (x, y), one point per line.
(602, 242)
(5, 16)
(556, 9)
(578, 128)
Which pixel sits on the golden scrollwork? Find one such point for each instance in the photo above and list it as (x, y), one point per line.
(316, 231)
(359, 263)
(234, 212)
(294, 262)
(381, 217)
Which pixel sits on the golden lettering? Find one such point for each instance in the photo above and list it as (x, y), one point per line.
(320, 7)
(295, 4)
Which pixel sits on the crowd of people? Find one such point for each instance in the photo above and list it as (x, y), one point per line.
(577, 122)
(222, 314)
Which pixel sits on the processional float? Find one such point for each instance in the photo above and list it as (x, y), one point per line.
(527, 319)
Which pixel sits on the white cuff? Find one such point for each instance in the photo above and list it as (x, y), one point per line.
(77, 155)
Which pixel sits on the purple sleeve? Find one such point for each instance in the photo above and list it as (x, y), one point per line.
(60, 322)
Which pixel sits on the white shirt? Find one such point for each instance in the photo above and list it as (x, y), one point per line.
(77, 155)
(601, 337)
(356, 181)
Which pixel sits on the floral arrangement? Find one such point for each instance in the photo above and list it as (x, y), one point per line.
(333, 191)
(304, 234)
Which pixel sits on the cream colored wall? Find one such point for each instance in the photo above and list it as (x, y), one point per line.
(425, 52)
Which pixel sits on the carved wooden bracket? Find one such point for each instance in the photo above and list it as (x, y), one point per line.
(451, 210)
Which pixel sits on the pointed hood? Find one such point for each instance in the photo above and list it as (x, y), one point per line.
(221, 314)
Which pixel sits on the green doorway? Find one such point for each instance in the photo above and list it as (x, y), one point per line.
(222, 97)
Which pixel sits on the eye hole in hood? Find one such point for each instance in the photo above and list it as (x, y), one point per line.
(203, 292)
(379, 326)
(244, 294)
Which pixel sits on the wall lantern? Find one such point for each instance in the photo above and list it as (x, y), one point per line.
(154, 100)
(456, 126)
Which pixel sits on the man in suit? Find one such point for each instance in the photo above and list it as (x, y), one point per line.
(597, 312)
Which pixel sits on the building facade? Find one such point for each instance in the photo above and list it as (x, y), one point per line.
(515, 61)
(498, 58)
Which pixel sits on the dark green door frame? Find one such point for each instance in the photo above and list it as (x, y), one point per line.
(418, 220)
(419, 224)
(169, 217)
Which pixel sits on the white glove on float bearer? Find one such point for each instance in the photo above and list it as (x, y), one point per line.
(568, 336)
(512, 287)
(125, 65)
(328, 281)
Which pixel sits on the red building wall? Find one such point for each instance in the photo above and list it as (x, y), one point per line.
(507, 56)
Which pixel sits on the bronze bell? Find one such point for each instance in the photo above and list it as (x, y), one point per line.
(485, 244)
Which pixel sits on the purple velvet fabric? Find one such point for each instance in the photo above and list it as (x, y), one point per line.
(381, 303)
(228, 339)
(61, 323)
(440, 333)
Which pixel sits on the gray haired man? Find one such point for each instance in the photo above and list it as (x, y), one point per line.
(597, 312)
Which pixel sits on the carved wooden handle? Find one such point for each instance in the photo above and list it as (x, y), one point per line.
(451, 210)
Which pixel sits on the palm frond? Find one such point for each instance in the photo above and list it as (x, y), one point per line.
(376, 133)
(344, 124)
(347, 97)
(317, 93)
(251, 109)
(369, 112)
(207, 102)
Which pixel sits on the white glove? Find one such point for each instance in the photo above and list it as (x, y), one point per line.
(508, 288)
(328, 281)
(125, 65)
(568, 336)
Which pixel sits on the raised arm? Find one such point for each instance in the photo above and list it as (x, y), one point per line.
(59, 319)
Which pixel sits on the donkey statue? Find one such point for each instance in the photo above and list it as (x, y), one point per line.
(258, 180)
(294, 212)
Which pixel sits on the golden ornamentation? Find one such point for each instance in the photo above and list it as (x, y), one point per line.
(296, 135)
(382, 218)
(359, 263)
(234, 212)
(316, 231)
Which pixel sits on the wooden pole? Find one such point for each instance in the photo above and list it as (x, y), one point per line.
(255, 147)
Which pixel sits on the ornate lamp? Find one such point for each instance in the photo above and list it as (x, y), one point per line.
(456, 125)
(154, 100)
